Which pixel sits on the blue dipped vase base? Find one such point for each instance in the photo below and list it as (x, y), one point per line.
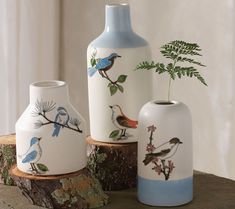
(165, 193)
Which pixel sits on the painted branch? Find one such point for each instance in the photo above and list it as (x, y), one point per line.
(7, 158)
(115, 165)
(78, 190)
(60, 124)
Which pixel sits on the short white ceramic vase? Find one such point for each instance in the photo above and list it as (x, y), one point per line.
(165, 167)
(50, 134)
(116, 90)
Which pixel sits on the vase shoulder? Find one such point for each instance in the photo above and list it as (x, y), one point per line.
(118, 40)
(165, 106)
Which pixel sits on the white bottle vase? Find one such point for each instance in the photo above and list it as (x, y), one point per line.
(165, 167)
(50, 134)
(116, 90)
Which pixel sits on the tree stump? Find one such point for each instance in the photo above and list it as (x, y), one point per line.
(115, 165)
(7, 158)
(78, 190)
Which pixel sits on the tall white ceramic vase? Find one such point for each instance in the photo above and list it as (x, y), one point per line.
(165, 166)
(116, 90)
(50, 134)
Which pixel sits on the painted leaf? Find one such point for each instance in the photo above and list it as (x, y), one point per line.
(121, 78)
(42, 167)
(113, 89)
(114, 134)
(93, 62)
(120, 88)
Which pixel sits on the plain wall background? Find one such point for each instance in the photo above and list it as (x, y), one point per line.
(210, 23)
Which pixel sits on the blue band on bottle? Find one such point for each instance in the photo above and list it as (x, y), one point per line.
(165, 193)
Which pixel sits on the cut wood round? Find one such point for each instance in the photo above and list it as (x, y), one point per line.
(78, 190)
(7, 158)
(115, 165)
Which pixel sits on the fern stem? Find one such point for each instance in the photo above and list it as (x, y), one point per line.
(169, 85)
(169, 90)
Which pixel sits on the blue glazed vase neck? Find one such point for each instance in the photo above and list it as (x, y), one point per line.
(117, 18)
(118, 32)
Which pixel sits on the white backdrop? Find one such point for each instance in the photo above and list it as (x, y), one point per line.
(210, 23)
(41, 39)
(29, 51)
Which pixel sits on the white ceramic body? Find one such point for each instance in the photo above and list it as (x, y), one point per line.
(62, 153)
(171, 128)
(118, 38)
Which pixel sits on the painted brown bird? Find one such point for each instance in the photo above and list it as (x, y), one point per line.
(121, 121)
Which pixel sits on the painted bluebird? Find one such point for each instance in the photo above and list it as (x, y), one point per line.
(62, 117)
(33, 154)
(103, 65)
(165, 150)
(121, 121)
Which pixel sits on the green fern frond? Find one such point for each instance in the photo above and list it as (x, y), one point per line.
(185, 59)
(146, 65)
(175, 48)
(158, 67)
(169, 54)
(174, 51)
(184, 45)
(189, 72)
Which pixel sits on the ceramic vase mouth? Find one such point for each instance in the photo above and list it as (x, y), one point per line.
(49, 90)
(48, 84)
(118, 5)
(165, 102)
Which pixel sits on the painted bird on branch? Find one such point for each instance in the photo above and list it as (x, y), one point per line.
(164, 151)
(121, 121)
(62, 118)
(103, 65)
(33, 154)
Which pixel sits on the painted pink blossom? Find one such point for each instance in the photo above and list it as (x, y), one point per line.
(150, 147)
(158, 169)
(151, 128)
(170, 165)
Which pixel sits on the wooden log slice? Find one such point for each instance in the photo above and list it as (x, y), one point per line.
(78, 190)
(7, 158)
(114, 165)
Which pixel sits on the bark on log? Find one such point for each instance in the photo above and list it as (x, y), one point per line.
(115, 165)
(78, 190)
(7, 158)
